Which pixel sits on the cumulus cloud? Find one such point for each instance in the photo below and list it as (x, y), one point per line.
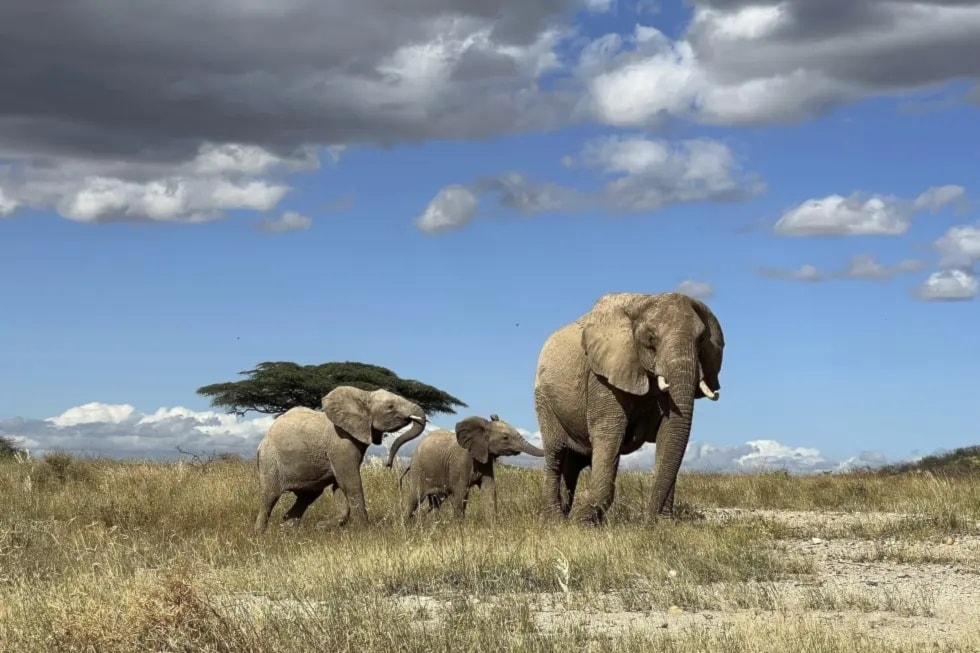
(698, 289)
(949, 286)
(122, 431)
(646, 175)
(763, 61)
(288, 221)
(862, 266)
(217, 179)
(860, 214)
(956, 279)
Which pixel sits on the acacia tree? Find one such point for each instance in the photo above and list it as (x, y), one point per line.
(275, 387)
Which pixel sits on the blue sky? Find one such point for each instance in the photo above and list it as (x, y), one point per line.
(119, 293)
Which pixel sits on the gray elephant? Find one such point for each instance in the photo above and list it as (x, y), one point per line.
(446, 464)
(306, 451)
(625, 373)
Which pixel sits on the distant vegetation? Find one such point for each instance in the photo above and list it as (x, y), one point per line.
(8, 448)
(275, 387)
(962, 461)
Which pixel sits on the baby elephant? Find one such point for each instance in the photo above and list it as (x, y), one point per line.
(447, 464)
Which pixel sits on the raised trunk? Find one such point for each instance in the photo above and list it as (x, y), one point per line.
(682, 373)
(410, 434)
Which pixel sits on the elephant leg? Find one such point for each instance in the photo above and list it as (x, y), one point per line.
(269, 500)
(459, 499)
(346, 460)
(343, 506)
(488, 485)
(553, 437)
(606, 443)
(411, 500)
(572, 467)
(303, 500)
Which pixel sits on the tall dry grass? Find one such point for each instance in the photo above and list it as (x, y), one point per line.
(111, 556)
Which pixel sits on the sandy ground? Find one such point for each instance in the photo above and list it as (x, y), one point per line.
(867, 586)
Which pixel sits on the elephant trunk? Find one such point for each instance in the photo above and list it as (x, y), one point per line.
(530, 449)
(682, 372)
(418, 425)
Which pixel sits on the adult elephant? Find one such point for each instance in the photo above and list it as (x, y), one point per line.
(625, 373)
(306, 451)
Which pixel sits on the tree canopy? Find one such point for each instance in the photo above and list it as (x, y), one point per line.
(275, 387)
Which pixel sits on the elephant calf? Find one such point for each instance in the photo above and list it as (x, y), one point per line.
(447, 464)
(306, 451)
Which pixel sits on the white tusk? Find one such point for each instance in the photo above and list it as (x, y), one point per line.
(713, 396)
(416, 418)
(662, 383)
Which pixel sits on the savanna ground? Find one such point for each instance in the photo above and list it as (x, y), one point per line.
(109, 556)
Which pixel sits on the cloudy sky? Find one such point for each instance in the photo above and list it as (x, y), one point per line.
(435, 186)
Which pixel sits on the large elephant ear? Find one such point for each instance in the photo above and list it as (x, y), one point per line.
(607, 337)
(471, 434)
(711, 351)
(347, 407)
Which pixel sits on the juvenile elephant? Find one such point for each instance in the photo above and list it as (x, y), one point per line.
(625, 373)
(306, 451)
(447, 464)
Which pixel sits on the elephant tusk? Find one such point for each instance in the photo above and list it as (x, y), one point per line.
(662, 383)
(417, 419)
(712, 395)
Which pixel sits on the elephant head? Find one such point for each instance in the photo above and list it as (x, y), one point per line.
(494, 437)
(368, 415)
(673, 340)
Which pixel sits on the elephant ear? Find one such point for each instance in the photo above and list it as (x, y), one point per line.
(607, 337)
(347, 408)
(711, 351)
(471, 434)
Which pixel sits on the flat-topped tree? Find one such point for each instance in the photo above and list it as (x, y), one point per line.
(275, 387)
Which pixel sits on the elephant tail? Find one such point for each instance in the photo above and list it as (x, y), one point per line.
(402, 475)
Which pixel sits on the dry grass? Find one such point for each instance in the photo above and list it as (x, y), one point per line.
(108, 556)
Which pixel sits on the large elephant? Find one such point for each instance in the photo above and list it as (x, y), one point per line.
(306, 451)
(625, 373)
(448, 464)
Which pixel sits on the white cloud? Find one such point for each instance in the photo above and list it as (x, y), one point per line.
(752, 62)
(959, 246)
(288, 221)
(120, 430)
(936, 198)
(698, 289)
(647, 175)
(860, 214)
(453, 206)
(93, 413)
(7, 204)
(218, 179)
(856, 215)
(949, 285)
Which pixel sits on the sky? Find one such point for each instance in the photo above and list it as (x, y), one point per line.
(435, 187)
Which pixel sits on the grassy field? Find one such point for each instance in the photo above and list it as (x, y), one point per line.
(109, 556)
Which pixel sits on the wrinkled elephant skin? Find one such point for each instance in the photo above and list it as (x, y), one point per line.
(625, 373)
